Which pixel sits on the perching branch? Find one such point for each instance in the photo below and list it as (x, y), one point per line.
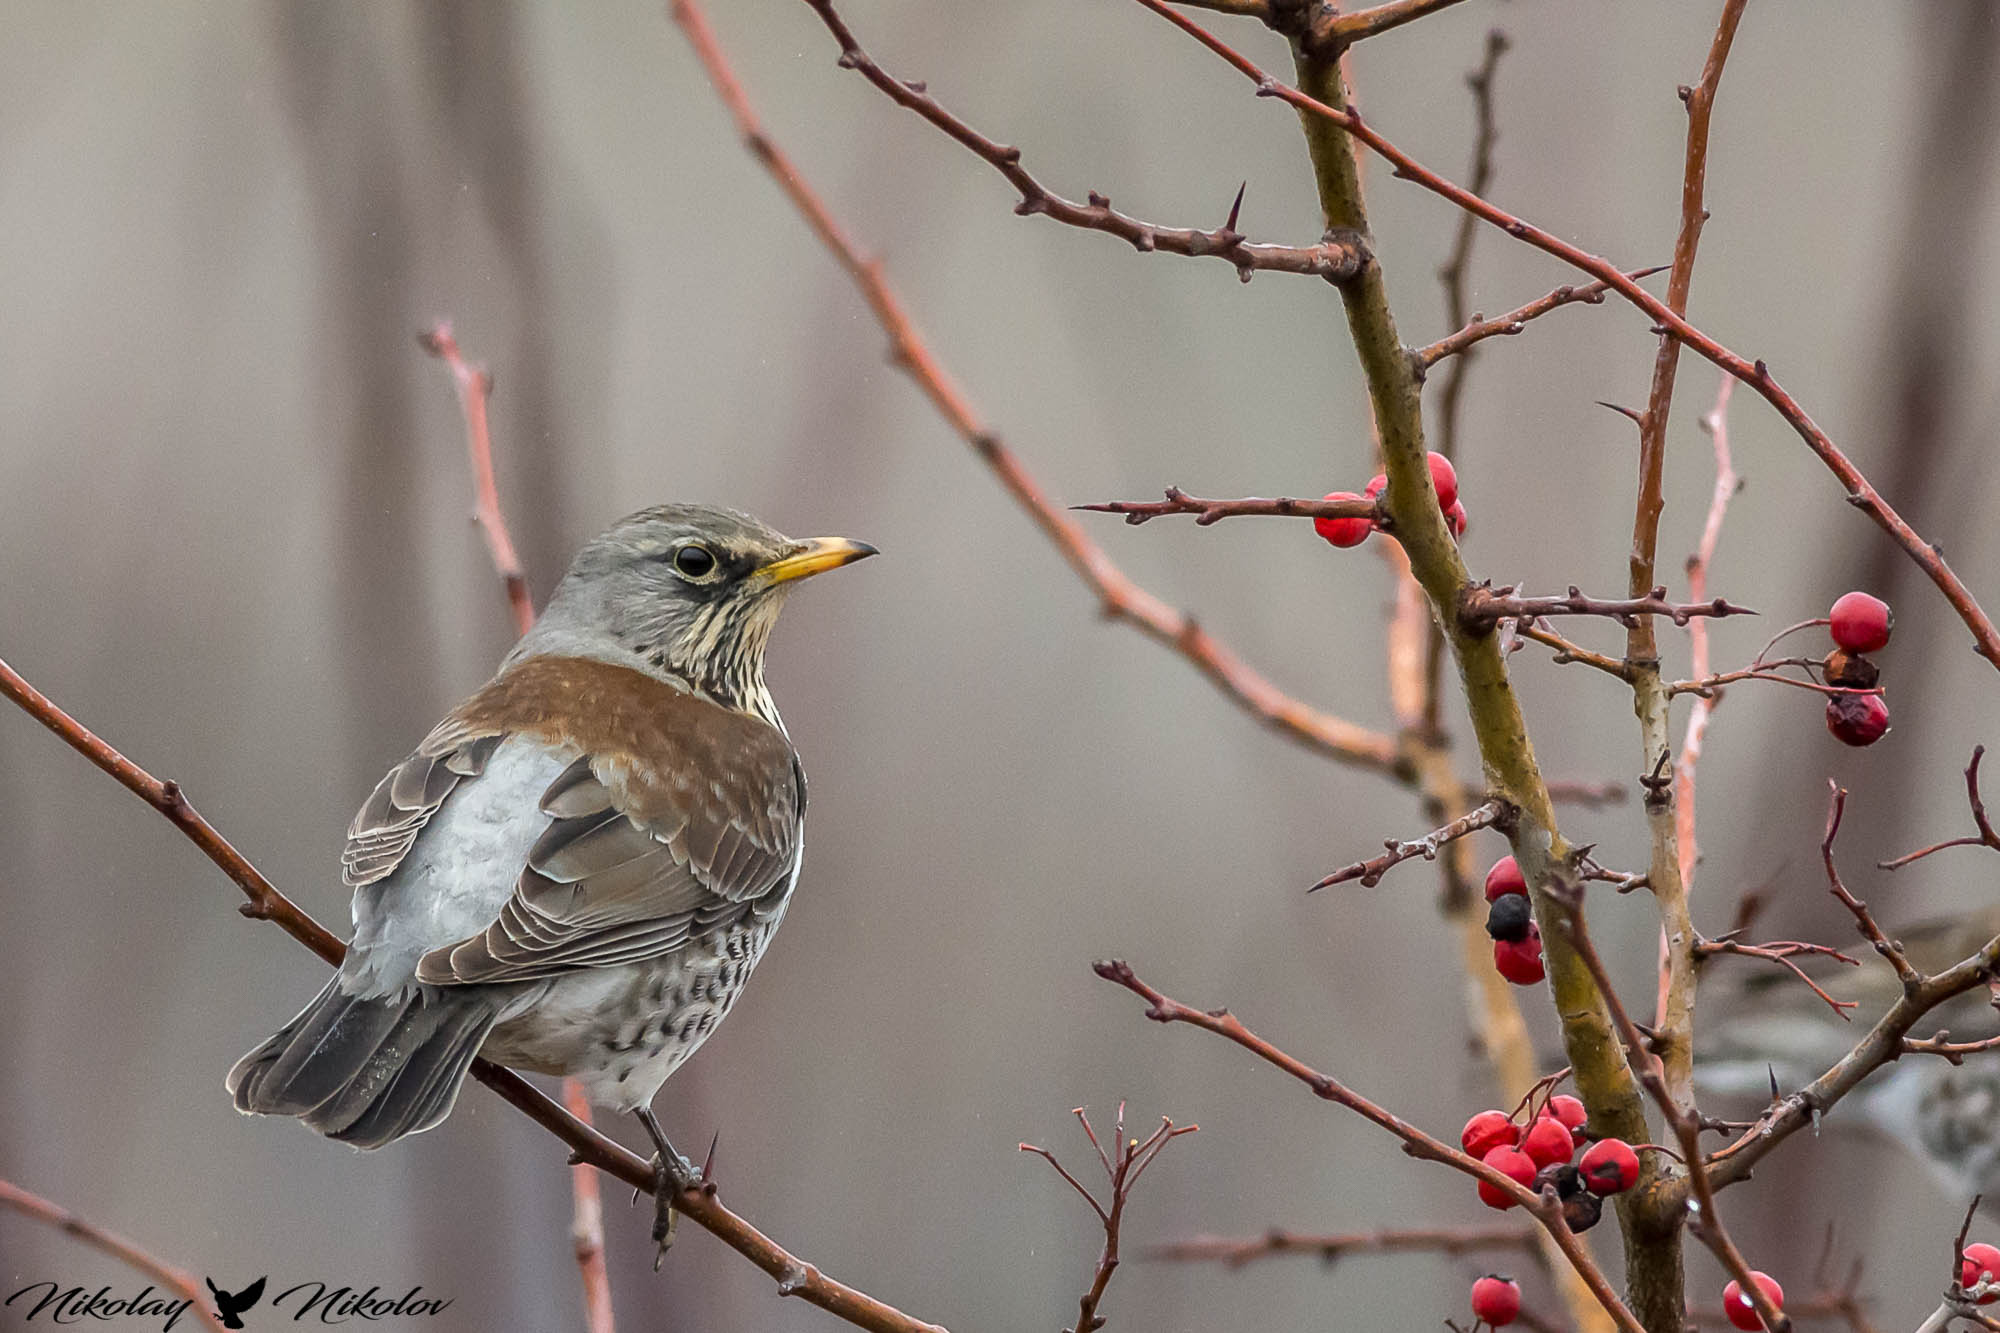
(794, 1276)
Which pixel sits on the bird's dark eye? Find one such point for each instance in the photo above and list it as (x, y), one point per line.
(694, 561)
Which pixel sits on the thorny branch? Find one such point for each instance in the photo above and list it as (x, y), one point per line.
(1122, 1168)
(1488, 814)
(1477, 328)
(1236, 1252)
(1206, 512)
(1481, 607)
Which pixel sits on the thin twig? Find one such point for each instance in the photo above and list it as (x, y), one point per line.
(1986, 837)
(127, 1252)
(1488, 814)
(1782, 952)
(1237, 1251)
(1863, 918)
(474, 387)
(1567, 651)
(1477, 329)
(1457, 267)
(1119, 597)
(1481, 607)
(1122, 1168)
(1727, 483)
(1206, 512)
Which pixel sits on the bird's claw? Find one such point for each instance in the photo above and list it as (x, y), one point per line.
(672, 1173)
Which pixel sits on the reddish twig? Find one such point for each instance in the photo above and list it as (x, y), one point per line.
(1119, 596)
(1477, 328)
(794, 1276)
(1235, 1252)
(1490, 814)
(1863, 918)
(1546, 1209)
(474, 387)
(118, 1247)
(1122, 1169)
(1340, 31)
(1783, 952)
(1716, 425)
(1480, 608)
(1986, 837)
(1567, 652)
(1951, 1052)
(1206, 512)
(1709, 688)
(1860, 493)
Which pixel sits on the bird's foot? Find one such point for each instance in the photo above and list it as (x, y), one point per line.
(672, 1174)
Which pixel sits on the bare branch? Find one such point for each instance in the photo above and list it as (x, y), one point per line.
(1489, 814)
(1236, 1252)
(1478, 328)
(1206, 512)
(1986, 837)
(1482, 607)
(475, 386)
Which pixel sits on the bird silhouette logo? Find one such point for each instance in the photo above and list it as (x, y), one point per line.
(228, 1308)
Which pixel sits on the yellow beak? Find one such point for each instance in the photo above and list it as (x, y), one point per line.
(815, 555)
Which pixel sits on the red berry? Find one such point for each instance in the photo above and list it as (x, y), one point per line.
(1504, 878)
(1444, 479)
(1982, 1261)
(1610, 1167)
(1344, 532)
(1376, 485)
(1486, 1131)
(1496, 1299)
(1547, 1142)
(1511, 1163)
(1738, 1307)
(1566, 1111)
(1861, 623)
(1520, 961)
(1456, 520)
(1857, 719)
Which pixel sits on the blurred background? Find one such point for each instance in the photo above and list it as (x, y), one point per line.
(235, 539)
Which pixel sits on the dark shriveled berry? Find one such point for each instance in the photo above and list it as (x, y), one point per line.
(1582, 1211)
(1509, 917)
(1851, 670)
(1857, 719)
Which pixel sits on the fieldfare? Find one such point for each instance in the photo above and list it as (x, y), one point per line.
(578, 868)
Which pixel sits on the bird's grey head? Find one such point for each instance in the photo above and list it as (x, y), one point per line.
(686, 591)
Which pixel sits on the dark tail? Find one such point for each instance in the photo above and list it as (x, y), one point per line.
(367, 1071)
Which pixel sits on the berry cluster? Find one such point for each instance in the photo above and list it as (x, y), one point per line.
(1537, 1155)
(1517, 940)
(1860, 624)
(1346, 532)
